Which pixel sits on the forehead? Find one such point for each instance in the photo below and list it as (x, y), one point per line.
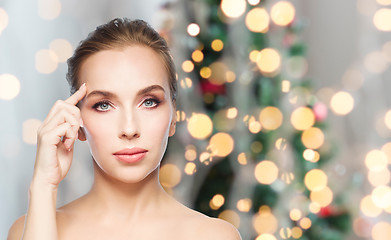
(132, 67)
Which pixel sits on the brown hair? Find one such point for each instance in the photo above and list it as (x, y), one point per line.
(117, 34)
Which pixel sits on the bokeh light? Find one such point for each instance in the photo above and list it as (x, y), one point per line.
(254, 127)
(257, 20)
(9, 86)
(186, 83)
(190, 168)
(342, 103)
(253, 55)
(295, 214)
(49, 9)
(230, 76)
(323, 197)
(62, 48)
(297, 232)
(264, 221)
(197, 56)
(386, 148)
(3, 20)
(266, 172)
(287, 177)
(378, 178)
(313, 138)
(217, 201)
(315, 180)
(314, 207)
(253, 2)
(285, 233)
(311, 155)
(325, 94)
(271, 118)
(205, 158)
(233, 8)
(368, 207)
(382, 19)
(232, 113)
(187, 66)
(244, 205)
(200, 126)
(221, 144)
(387, 119)
(285, 86)
(221, 122)
(169, 175)
(206, 72)
(230, 216)
(46, 61)
(269, 61)
(266, 236)
(381, 196)
(242, 159)
(361, 227)
(282, 13)
(366, 7)
(219, 70)
(256, 147)
(193, 29)
(376, 62)
(180, 116)
(305, 223)
(381, 231)
(384, 2)
(302, 118)
(30, 129)
(217, 45)
(376, 160)
(281, 144)
(190, 153)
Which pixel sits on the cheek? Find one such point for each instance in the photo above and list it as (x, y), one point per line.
(96, 128)
(156, 125)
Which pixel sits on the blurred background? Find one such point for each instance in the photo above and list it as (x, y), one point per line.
(284, 112)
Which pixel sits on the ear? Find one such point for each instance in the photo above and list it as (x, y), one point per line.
(81, 135)
(173, 125)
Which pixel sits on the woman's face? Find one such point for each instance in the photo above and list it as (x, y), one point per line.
(127, 106)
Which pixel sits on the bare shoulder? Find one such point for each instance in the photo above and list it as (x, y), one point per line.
(16, 230)
(215, 228)
(202, 226)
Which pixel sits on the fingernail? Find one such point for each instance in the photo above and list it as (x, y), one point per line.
(81, 123)
(83, 85)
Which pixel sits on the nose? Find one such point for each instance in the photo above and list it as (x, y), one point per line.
(128, 126)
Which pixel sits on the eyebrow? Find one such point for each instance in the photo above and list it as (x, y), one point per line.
(140, 92)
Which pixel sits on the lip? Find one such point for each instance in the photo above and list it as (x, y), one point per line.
(131, 155)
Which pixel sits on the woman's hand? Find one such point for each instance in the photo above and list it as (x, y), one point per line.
(56, 137)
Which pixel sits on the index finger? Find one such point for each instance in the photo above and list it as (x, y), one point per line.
(78, 95)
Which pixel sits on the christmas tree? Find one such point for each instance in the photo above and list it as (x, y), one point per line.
(253, 134)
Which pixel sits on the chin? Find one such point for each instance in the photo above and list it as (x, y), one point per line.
(128, 174)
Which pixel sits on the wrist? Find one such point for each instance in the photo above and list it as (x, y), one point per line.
(42, 186)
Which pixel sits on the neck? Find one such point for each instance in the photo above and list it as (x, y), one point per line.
(115, 198)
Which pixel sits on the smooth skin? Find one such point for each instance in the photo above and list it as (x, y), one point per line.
(125, 103)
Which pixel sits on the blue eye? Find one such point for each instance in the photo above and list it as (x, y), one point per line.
(151, 103)
(102, 106)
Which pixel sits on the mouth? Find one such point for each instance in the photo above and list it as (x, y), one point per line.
(131, 155)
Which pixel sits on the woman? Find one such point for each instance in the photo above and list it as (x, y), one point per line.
(125, 107)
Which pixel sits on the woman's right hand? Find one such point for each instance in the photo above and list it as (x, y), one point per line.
(56, 137)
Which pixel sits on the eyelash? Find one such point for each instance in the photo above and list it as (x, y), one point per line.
(96, 105)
